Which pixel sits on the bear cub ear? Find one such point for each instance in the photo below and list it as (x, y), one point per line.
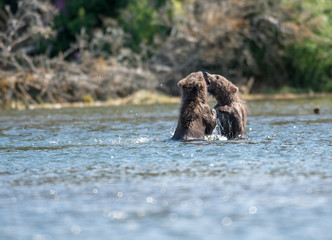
(234, 89)
(182, 82)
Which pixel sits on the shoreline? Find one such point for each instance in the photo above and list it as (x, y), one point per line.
(153, 97)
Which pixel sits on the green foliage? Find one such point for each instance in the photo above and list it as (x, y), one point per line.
(140, 19)
(11, 3)
(80, 14)
(310, 58)
(310, 66)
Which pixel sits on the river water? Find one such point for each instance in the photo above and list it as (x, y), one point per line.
(111, 173)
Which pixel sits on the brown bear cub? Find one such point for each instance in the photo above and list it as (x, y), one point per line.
(231, 108)
(196, 118)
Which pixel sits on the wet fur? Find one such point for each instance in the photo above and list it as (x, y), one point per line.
(196, 118)
(231, 108)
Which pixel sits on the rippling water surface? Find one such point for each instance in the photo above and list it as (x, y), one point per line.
(111, 173)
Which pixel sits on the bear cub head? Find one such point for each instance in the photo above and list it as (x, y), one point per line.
(194, 87)
(223, 90)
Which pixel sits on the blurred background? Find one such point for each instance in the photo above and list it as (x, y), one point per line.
(77, 50)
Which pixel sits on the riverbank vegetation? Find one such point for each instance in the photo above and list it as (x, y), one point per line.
(85, 51)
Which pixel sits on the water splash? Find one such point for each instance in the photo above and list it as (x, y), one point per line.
(224, 127)
(141, 140)
(219, 126)
(216, 137)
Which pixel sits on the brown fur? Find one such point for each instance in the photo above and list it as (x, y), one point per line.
(231, 108)
(196, 118)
